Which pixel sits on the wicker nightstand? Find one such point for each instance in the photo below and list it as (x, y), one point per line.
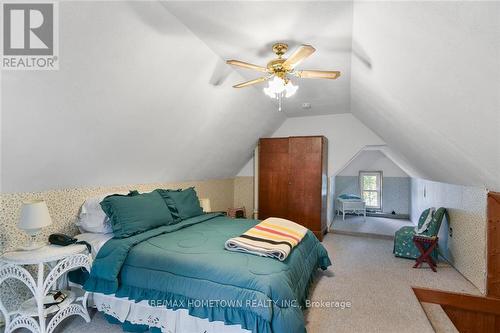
(60, 260)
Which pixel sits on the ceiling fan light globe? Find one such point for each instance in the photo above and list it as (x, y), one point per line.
(290, 89)
(276, 85)
(269, 93)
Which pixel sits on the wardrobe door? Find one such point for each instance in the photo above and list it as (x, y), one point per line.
(273, 178)
(493, 250)
(305, 185)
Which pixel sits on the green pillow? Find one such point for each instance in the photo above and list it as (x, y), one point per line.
(135, 213)
(183, 204)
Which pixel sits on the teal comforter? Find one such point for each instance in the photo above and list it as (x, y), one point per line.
(186, 266)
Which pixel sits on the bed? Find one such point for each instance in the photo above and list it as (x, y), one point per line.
(179, 278)
(350, 204)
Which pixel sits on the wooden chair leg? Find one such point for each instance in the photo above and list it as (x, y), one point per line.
(420, 259)
(425, 256)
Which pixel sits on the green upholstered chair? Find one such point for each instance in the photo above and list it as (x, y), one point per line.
(403, 240)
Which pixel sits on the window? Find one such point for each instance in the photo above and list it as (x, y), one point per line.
(370, 184)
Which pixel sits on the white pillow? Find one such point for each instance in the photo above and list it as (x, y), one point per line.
(92, 218)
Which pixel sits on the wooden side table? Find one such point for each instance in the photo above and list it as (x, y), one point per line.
(61, 259)
(239, 212)
(425, 245)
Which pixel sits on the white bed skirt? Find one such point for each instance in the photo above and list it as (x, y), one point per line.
(169, 321)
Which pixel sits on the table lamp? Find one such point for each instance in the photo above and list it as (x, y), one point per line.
(205, 205)
(34, 216)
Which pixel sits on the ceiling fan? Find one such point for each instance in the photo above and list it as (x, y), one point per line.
(281, 69)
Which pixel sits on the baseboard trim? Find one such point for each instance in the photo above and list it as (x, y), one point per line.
(389, 216)
(361, 234)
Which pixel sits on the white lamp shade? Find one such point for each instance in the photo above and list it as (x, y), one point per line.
(34, 215)
(205, 205)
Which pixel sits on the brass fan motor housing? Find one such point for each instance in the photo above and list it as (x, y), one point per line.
(276, 67)
(280, 49)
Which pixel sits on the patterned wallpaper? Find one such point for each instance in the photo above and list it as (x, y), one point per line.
(396, 194)
(466, 247)
(64, 205)
(243, 194)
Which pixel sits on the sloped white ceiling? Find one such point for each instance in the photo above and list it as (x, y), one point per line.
(423, 75)
(131, 103)
(431, 86)
(143, 95)
(247, 30)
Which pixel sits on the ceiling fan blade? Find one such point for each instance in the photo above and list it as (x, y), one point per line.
(300, 54)
(248, 83)
(246, 65)
(310, 74)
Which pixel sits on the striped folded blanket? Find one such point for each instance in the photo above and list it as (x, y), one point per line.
(274, 237)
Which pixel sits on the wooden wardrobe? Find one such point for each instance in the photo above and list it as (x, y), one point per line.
(293, 180)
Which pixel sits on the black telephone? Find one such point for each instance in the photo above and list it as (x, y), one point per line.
(61, 239)
(64, 240)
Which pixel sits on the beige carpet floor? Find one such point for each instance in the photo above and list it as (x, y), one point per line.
(372, 225)
(378, 285)
(364, 273)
